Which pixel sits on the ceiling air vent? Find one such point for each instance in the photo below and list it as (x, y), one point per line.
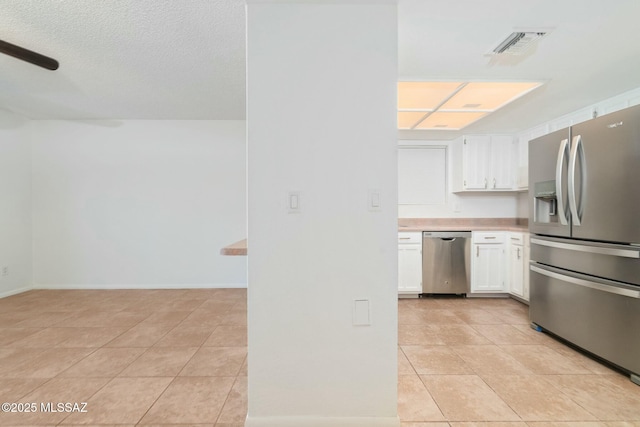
(518, 43)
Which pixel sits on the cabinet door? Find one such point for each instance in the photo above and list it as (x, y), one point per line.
(501, 164)
(410, 268)
(525, 267)
(488, 271)
(475, 162)
(516, 270)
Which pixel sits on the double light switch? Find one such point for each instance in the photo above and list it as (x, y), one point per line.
(294, 202)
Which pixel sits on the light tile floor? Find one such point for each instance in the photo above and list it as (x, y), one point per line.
(154, 357)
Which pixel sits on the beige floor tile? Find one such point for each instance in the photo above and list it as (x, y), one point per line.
(414, 401)
(160, 362)
(174, 304)
(104, 362)
(623, 424)
(427, 424)
(8, 336)
(567, 424)
(608, 397)
(535, 399)
(408, 317)
(13, 389)
(460, 334)
(10, 358)
(542, 360)
(190, 400)
(57, 390)
(45, 338)
(121, 401)
(474, 316)
(489, 424)
(235, 407)
(244, 370)
(92, 319)
(467, 398)
(489, 360)
(43, 319)
(435, 360)
(404, 366)
(418, 335)
(216, 306)
(512, 316)
(578, 357)
(538, 337)
(10, 319)
(91, 337)
(431, 316)
(216, 362)
(139, 319)
(234, 318)
(227, 336)
(48, 363)
(230, 294)
(185, 336)
(165, 318)
(141, 336)
(203, 318)
(492, 304)
(504, 334)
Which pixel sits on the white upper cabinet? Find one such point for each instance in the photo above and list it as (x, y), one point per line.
(475, 162)
(501, 165)
(483, 163)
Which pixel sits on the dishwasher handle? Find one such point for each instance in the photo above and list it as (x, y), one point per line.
(448, 239)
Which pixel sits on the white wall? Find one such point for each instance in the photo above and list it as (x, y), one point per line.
(321, 121)
(460, 205)
(137, 203)
(15, 204)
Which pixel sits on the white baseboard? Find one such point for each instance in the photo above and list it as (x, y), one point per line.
(141, 286)
(14, 292)
(322, 422)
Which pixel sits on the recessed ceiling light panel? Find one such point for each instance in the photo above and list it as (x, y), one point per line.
(450, 121)
(453, 105)
(424, 96)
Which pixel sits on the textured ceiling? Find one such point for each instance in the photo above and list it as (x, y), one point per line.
(185, 59)
(126, 59)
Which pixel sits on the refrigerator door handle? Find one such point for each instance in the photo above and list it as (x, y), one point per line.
(577, 150)
(562, 209)
(625, 253)
(587, 283)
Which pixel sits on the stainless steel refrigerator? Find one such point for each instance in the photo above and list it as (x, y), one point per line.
(584, 219)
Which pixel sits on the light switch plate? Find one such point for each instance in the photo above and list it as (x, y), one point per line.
(361, 312)
(293, 202)
(374, 200)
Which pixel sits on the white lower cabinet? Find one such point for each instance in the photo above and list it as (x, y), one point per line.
(525, 267)
(499, 263)
(488, 262)
(516, 264)
(409, 263)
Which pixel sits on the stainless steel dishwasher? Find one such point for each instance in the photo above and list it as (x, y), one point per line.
(446, 262)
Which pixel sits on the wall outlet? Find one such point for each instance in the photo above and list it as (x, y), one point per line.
(5, 271)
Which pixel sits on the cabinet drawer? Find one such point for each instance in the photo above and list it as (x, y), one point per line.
(488, 237)
(410, 237)
(516, 238)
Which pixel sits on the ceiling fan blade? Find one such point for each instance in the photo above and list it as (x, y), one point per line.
(28, 55)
